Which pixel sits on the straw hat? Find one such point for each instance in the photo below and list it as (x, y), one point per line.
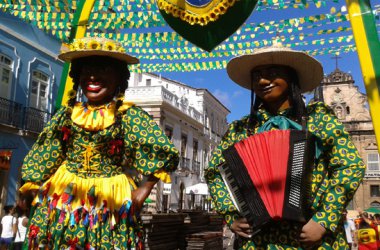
(95, 46)
(309, 70)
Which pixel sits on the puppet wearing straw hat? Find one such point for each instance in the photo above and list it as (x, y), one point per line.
(77, 167)
(277, 77)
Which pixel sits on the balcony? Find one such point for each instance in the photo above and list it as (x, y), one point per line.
(35, 120)
(10, 113)
(372, 173)
(161, 94)
(185, 162)
(196, 167)
(183, 167)
(23, 118)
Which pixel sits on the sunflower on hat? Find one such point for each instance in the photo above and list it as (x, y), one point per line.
(96, 46)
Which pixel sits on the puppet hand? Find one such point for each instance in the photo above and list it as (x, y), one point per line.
(242, 228)
(139, 196)
(311, 233)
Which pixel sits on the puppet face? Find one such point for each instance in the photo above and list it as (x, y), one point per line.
(271, 83)
(99, 81)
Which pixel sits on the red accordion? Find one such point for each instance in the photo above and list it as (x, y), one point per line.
(268, 176)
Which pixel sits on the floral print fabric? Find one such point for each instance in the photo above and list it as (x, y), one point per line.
(85, 196)
(337, 173)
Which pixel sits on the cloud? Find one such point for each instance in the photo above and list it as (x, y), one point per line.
(223, 97)
(237, 94)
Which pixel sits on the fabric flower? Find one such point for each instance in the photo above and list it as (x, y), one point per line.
(66, 133)
(71, 94)
(33, 231)
(115, 146)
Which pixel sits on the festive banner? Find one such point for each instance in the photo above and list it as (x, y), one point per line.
(206, 23)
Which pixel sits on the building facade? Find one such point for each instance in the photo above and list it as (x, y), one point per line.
(29, 77)
(195, 121)
(351, 107)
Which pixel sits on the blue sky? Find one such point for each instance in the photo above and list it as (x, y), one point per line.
(236, 98)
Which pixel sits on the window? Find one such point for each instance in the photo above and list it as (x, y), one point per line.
(168, 132)
(205, 157)
(5, 76)
(195, 150)
(373, 162)
(212, 122)
(375, 204)
(375, 190)
(39, 90)
(339, 112)
(206, 121)
(183, 145)
(148, 82)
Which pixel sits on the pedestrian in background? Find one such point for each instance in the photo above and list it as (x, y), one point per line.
(8, 228)
(350, 230)
(22, 210)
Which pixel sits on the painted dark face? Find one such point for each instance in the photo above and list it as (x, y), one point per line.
(99, 81)
(271, 84)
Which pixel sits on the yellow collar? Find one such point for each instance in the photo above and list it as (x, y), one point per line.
(96, 117)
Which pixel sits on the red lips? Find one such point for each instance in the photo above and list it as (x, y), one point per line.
(93, 86)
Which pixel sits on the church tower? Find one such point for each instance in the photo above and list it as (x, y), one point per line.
(351, 107)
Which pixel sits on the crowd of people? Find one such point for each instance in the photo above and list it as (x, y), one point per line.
(14, 224)
(363, 232)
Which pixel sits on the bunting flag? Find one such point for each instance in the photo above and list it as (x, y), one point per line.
(206, 23)
(319, 27)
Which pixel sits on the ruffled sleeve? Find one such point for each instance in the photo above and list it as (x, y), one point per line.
(46, 154)
(147, 148)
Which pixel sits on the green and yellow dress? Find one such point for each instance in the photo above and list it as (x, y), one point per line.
(84, 198)
(337, 173)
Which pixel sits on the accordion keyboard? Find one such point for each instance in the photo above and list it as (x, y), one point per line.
(233, 189)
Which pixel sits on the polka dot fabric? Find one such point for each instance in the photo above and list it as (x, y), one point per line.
(66, 220)
(337, 174)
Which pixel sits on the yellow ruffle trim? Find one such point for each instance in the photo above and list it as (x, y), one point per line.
(195, 15)
(115, 190)
(163, 176)
(29, 186)
(96, 118)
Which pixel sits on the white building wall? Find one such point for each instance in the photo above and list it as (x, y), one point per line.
(182, 108)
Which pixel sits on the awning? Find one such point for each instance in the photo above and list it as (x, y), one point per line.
(200, 188)
(374, 210)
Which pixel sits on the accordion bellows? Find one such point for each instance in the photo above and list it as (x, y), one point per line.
(269, 176)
